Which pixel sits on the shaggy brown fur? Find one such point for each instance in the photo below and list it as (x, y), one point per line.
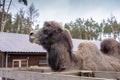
(110, 47)
(93, 59)
(58, 43)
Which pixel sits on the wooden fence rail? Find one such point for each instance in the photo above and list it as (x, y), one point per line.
(28, 75)
(98, 74)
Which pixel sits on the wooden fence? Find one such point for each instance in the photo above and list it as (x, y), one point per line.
(17, 74)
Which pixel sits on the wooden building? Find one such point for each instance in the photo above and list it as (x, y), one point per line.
(17, 51)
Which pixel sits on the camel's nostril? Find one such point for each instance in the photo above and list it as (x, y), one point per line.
(31, 33)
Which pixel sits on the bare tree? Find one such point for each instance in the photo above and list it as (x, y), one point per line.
(32, 15)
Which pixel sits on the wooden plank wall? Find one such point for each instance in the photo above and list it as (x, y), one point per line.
(1, 59)
(99, 74)
(107, 74)
(33, 58)
(27, 75)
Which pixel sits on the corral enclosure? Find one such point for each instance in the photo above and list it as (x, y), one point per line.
(46, 74)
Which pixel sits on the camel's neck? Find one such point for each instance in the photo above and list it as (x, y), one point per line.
(75, 62)
(59, 62)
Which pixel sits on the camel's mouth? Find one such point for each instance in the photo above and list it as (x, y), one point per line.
(34, 40)
(31, 39)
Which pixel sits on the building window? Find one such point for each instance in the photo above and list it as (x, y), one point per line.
(20, 63)
(42, 61)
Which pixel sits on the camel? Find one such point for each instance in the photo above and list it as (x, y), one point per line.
(58, 42)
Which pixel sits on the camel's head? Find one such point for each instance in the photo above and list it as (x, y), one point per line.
(46, 35)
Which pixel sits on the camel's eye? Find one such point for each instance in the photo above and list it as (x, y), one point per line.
(45, 31)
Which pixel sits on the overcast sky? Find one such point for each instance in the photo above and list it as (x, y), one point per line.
(68, 10)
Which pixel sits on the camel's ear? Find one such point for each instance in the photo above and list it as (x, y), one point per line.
(56, 29)
(47, 24)
(54, 26)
